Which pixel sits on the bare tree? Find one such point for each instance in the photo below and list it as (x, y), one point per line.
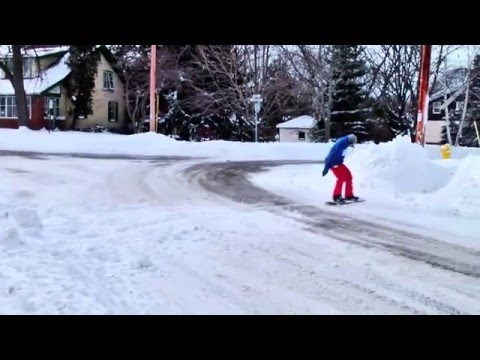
(395, 82)
(134, 62)
(14, 73)
(447, 112)
(472, 73)
(255, 62)
(311, 65)
(441, 54)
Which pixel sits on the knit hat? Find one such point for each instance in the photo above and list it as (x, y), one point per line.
(352, 139)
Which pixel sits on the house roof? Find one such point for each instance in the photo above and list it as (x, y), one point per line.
(441, 94)
(39, 51)
(301, 122)
(49, 78)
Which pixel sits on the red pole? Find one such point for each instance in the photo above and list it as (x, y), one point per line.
(423, 94)
(153, 86)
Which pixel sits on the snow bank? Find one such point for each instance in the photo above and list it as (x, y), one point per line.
(401, 182)
(25, 139)
(456, 152)
(17, 225)
(398, 167)
(405, 172)
(9, 233)
(461, 195)
(152, 144)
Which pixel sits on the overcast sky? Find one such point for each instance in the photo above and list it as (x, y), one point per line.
(462, 55)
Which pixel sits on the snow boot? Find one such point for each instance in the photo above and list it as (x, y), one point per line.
(352, 198)
(338, 200)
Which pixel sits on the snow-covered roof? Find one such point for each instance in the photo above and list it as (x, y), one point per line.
(441, 94)
(301, 122)
(47, 79)
(5, 50)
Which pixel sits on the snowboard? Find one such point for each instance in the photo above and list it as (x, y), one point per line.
(346, 202)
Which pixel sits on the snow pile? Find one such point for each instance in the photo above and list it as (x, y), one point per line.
(9, 235)
(151, 144)
(398, 167)
(19, 224)
(461, 196)
(25, 139)
(434, 151)
(404, 172)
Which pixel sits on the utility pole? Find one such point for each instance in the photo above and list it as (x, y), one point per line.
(423, 94)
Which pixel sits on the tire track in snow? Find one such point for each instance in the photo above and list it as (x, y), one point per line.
(229, 179)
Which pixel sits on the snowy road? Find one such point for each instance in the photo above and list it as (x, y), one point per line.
(163, 235)
(230, 179)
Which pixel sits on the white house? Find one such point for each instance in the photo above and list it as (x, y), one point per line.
(296, 130)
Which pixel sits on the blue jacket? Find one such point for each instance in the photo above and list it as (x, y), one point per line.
(336, 154)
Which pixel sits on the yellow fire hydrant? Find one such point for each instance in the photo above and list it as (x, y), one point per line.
(446, 151)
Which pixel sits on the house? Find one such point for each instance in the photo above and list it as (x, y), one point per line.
(436, 112)
(46, 72)
(296, 130)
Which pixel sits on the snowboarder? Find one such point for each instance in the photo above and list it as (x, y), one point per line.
(334, 161)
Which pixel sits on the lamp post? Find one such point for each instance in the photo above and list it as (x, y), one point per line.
(257, 100)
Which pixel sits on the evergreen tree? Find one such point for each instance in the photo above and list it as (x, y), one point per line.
(83, 62)
(317, 133)
(469, 134)
(349, 107)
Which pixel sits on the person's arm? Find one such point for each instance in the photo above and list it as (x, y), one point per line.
(328, 164)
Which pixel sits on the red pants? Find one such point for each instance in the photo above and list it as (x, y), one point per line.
(343, 175)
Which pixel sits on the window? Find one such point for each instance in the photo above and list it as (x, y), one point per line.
(29, 68)
(437, 107)
(56, 106)
(112, 111)
(108, 80)
(9, 64)
(459, 106)
(8, 107)
(301, 135)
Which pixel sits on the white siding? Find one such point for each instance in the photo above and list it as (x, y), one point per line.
(291, 135)
(433, 132)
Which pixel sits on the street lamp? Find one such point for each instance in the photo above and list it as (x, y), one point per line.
(256, 99)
